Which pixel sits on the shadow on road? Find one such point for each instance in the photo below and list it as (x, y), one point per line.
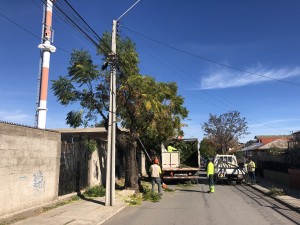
(190, 190)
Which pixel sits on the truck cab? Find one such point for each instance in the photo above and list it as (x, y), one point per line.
(227, 169)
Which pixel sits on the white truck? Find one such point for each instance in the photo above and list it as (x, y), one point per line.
(227, 169)
(183, 163)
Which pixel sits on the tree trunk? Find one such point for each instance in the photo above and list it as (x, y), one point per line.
(128, 145)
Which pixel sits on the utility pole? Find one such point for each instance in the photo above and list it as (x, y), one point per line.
(46, 49)
(111, 137)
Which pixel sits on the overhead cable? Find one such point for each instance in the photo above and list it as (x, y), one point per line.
(209, 60)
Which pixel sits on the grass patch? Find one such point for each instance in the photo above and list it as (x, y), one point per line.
(275, 192)
(145, 194)
(150, 196)
(61, 203)
(169, 190)
(135, 199)
(187, 184)
(96, 191)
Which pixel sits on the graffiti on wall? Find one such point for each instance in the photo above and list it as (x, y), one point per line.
(38, 183)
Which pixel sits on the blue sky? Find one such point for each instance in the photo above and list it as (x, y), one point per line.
(224, 55)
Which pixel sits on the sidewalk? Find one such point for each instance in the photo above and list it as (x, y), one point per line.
(82, 212)
(291, 197)
(94, 211)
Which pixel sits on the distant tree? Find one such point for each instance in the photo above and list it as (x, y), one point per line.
(150, 110)
(225, 130)
(251, 142)
(207, 148)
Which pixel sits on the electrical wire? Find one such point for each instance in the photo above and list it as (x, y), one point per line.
(209, 60)
(27, 31)
(71, 17)
(106, 13)
(175, 69)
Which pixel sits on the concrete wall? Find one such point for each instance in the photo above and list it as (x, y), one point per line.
(97, 166)
(277, 177)
(29, 167)
(294, 178)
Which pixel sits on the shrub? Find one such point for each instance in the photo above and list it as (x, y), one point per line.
(275, 192)
(96, 191)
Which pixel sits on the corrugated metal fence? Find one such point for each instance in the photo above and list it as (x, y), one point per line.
(73, 168)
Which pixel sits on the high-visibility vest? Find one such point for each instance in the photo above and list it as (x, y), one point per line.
(210, 168)
(170, 148)
(251, 166)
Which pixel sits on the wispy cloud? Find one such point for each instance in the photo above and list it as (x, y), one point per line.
(16, 117)
(226, 78)
(277, 122)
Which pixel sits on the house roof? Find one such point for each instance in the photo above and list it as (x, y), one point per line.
(92, 132)
(275, 136)
(86, 130)
(251, 147)
(265, 139)
(279, 143)
(83, 130)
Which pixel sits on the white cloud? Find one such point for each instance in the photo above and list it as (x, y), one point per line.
(226, 78)
(16, 117)
(277, 122)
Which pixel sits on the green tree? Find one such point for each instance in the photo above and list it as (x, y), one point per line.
(225, 129)
(207, 148)
(150, 110)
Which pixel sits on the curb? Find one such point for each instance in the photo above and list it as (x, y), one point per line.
(111, 215)
(295, 208)
(32, 211)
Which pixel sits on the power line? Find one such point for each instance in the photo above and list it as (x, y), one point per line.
(172, 66)
(75, 22)
(27, 31)
(24, 29)
(209, 60)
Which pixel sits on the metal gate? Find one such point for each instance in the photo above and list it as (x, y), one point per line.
(73, 168)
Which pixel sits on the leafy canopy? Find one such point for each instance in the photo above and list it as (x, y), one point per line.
(225, 129)
(153, 110)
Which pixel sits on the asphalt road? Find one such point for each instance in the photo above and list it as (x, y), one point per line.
(230, 204)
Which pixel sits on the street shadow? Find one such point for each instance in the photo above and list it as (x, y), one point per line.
(191, 190)
(80, 195)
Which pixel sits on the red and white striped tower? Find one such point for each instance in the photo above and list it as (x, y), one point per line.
(46, 49)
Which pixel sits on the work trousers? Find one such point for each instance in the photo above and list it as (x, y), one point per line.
(211, 183)
(252, 177)
(156, 180)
